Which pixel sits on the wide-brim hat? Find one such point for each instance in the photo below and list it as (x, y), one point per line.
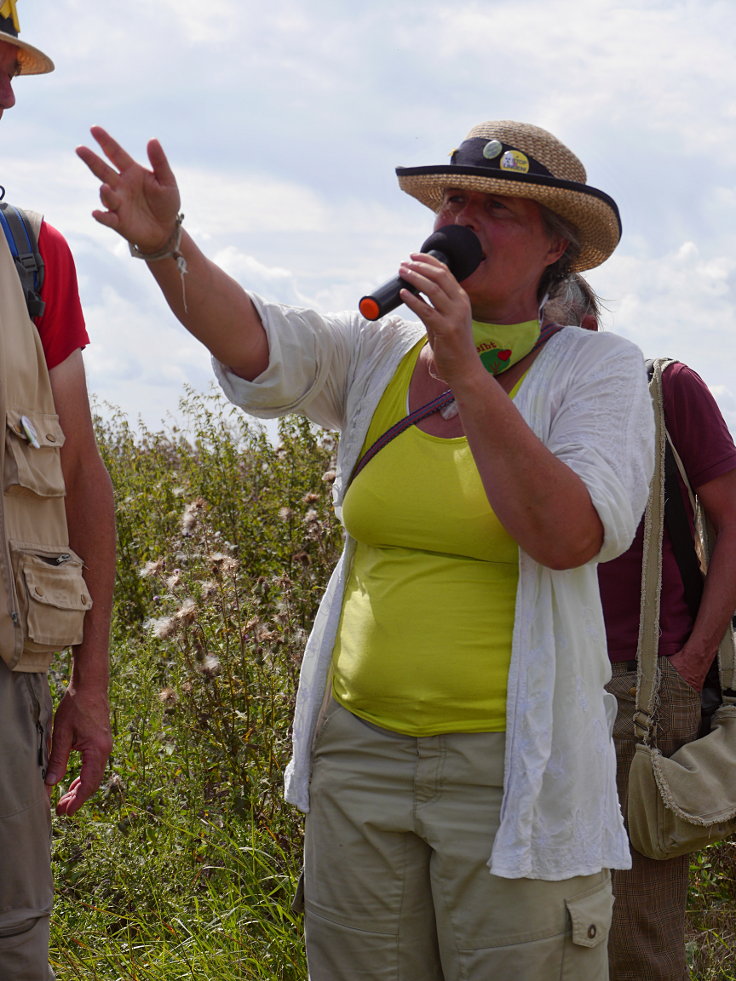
(519, 160)
(31, 61)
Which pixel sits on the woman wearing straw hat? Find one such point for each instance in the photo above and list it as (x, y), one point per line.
(452, 733)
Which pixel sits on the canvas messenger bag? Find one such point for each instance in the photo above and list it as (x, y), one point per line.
(681, 803)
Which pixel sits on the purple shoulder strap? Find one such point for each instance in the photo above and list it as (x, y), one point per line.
(428, 409)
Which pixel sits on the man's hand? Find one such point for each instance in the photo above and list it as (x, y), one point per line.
(691, 670)
(81, 724)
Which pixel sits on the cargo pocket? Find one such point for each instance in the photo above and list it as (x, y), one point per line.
(52, 597)
(586, 956)
(32, 459)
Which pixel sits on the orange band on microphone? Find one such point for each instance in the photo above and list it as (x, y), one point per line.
(369, 308)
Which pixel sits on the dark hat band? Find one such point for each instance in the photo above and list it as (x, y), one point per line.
(539, 180)
(496, 156)
(7, 26)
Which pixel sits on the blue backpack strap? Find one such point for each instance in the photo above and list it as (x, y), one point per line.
(22, 238)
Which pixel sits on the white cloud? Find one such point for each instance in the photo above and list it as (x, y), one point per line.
(284, 123)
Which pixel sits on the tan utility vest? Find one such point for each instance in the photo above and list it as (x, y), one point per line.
(43, 595)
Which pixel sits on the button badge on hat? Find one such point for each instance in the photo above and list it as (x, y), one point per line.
(515, 160)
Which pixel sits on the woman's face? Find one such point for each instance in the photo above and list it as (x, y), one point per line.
(517, 248)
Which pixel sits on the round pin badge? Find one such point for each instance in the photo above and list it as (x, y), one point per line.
(515, 160)
(492, 149)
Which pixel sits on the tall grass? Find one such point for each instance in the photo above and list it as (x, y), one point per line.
(185, 863)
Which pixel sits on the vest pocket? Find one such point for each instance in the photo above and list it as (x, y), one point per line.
(32, 461)
(52, 597)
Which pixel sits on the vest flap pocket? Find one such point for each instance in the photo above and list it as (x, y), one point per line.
(52, 596)
(32, 460)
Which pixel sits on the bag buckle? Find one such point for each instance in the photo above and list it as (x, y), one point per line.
(643, 725)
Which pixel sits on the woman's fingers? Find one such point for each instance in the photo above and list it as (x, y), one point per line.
(160, 164)
(99, 167)
(435, 281)
(119, 157)
(141, 204)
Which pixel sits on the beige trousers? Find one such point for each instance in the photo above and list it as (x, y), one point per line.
(26, 891)
(396, 883)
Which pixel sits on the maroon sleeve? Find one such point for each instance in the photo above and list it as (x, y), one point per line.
(61, 326)
(698, 430)
(704, 443)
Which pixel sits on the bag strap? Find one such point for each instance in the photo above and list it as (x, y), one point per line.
(651, 576)
(428, 409)
(21, 230)
(647, 681)
(680, 529)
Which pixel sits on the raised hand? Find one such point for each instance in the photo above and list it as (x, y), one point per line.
(140, 204)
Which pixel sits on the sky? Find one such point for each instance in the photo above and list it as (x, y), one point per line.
(284, 122)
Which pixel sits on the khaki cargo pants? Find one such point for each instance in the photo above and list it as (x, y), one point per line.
(396, 885)
(26, 891)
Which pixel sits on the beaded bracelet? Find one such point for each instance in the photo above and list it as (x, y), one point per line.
(169, 251)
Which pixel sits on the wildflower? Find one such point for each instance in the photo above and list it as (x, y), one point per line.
(162, 627)
(151, 568)
(187, 612)
(191, 516)
(210, 666)
(114, 785)
(310, 498)
(208, 589)
(311, 517)
(174, 579)
(223, 563)
(168, 698)
(329, 476)
(285, 513)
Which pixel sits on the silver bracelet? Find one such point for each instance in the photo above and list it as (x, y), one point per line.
(169, 251)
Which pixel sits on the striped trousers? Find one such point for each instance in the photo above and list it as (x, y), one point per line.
(647, 939)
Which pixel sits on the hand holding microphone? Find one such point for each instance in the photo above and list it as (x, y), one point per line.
(455, 245)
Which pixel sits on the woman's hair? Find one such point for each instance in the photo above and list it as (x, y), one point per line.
(572, 299)
(559, 271)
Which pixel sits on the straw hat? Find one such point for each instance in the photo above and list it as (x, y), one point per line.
(31, 61)
(519, 160)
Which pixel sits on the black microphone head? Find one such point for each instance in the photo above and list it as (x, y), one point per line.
(459, 245)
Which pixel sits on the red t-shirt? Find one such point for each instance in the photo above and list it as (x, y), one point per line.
(61, 326)
(707, 450)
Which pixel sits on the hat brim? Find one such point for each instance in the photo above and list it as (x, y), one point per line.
(593, 212)
(31, 61)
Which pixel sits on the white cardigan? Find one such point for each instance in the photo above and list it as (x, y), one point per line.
(586, 398)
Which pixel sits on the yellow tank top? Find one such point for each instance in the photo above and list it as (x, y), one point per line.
(424, 641)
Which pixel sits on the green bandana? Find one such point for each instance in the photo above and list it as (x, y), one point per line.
(502, 345)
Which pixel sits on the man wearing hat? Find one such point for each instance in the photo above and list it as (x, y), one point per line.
(57, 558)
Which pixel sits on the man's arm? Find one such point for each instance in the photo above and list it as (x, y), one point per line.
(718, 497)
(82, 720)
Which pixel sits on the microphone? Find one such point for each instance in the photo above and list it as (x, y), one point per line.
(455, 245)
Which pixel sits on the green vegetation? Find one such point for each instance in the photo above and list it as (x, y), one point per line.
(185, 863)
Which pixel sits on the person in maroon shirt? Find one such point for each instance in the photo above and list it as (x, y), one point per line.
(81, 722)
(647, 940)
(648, 931)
